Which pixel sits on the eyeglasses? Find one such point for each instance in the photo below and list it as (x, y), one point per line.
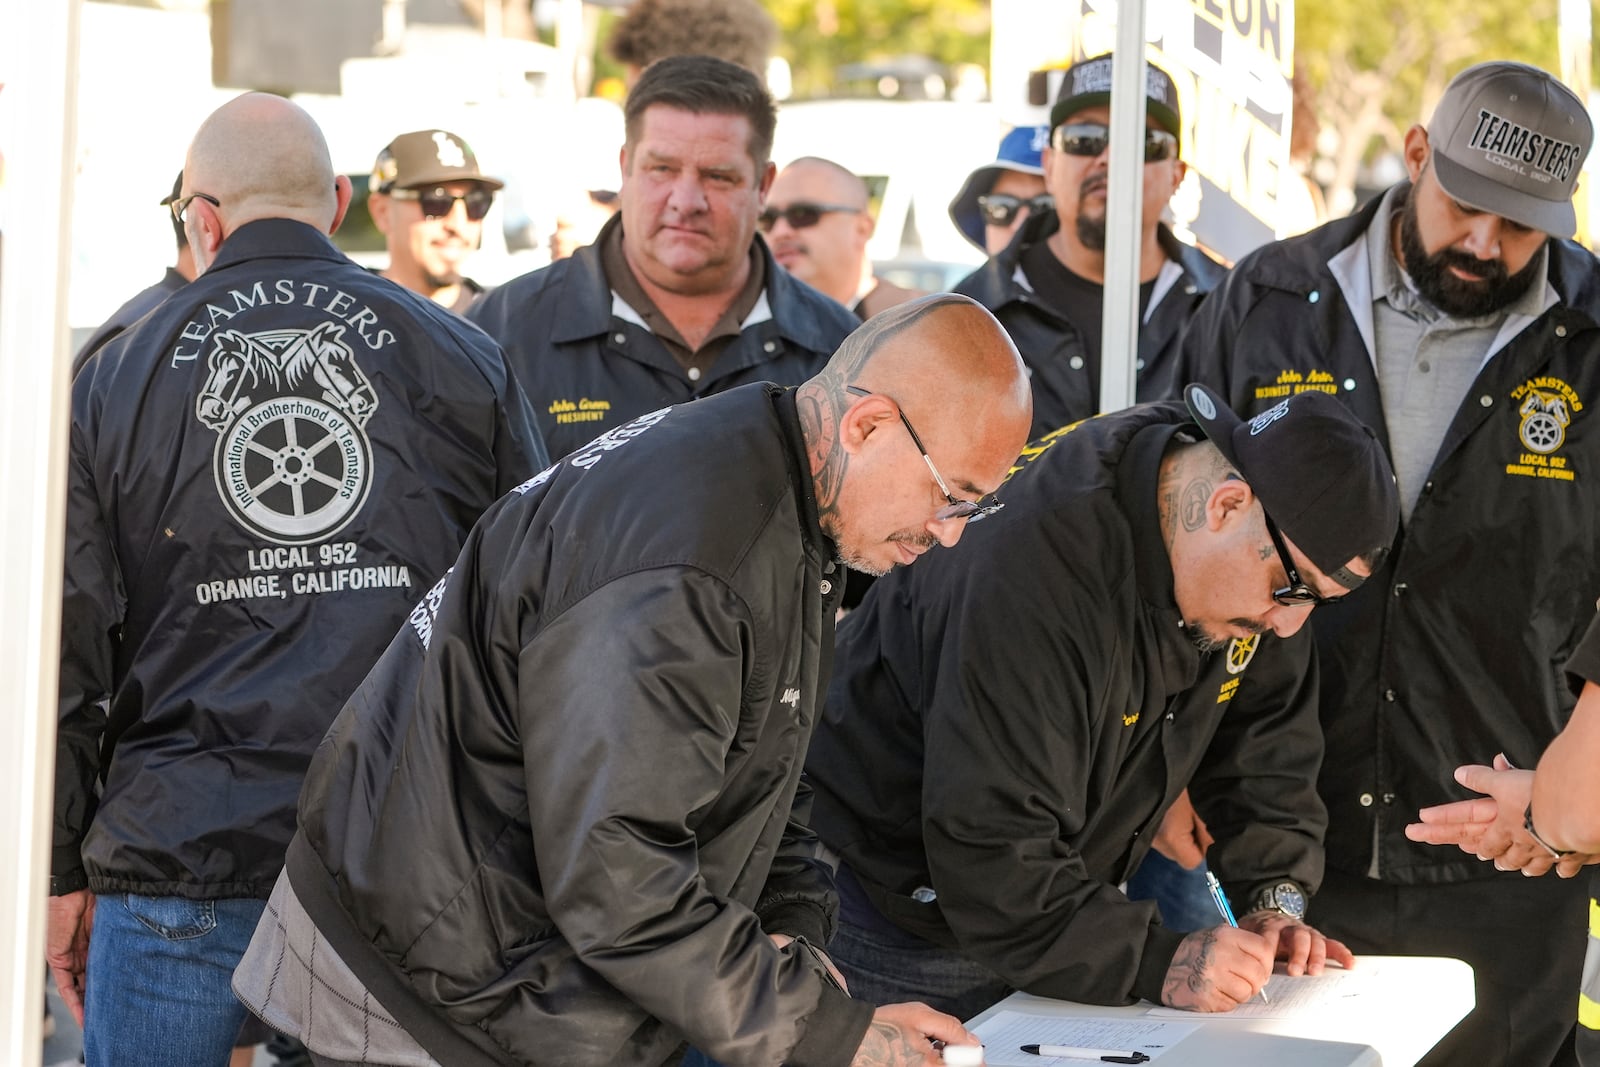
(998, 209)
(970, 510)
(1297, 593)
(180, 206)
(437, 203)
(800, 216)
(1091, 138)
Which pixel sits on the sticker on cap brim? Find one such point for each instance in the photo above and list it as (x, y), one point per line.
(1202, 404)
(1268, 417)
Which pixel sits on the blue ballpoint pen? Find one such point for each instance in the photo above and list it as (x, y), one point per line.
(1221, 900)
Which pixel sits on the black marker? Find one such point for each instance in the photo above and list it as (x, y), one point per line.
(1104, 1055)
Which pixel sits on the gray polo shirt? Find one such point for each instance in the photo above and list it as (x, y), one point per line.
(1427, 360)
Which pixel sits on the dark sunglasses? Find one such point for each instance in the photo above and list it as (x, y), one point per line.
(1091, 138)
(180, 206)
(801, 216)
(970, 510)
(437, 203)
(998, 209)
(1297, 593)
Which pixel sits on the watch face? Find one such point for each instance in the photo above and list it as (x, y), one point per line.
(1288, 899)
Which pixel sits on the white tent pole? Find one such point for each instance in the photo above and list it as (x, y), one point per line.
(40, 68)
(1124, 200)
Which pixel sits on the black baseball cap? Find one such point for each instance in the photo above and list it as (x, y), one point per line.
(177, 190)
(1320, 473)
(1087, 83)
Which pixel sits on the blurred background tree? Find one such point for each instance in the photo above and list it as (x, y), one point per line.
(820, 36)
(1376, 67)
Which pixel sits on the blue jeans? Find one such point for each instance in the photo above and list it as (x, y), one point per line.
(158, 989)
(1180, 894)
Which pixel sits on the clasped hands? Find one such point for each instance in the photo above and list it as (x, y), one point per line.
(1491, 826)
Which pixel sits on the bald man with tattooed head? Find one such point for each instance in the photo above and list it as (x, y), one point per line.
(562, 822)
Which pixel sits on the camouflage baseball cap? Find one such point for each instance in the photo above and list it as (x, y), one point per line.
(1510, 139)
(426, 157)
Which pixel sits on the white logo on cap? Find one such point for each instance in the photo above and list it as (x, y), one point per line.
(1268, 417)
(1096, 78)
(1507, 143)
(1041, 139)
(449, 150)
(1203, 404)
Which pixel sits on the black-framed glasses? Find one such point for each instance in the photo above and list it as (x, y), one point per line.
(437, 203)
(1091, 138)
(801, 215)
(998, 209)
(970, 510)
(180, 206)
(1297, 593)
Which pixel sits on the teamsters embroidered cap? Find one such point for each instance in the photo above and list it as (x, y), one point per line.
(1087, 83)
(1320, 473)
(1510, 139)
(1022, 151)
(426, 157)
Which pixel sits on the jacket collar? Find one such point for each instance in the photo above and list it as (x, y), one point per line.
(998, 280)
(1300, 264)
(275, 239)
(587, 299)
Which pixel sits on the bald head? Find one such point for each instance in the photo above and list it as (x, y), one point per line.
(944, 365)
(840, 183)
(262, 157)
(829, 254)
(939, 352)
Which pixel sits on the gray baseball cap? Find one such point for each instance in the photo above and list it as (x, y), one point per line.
(1510, 139)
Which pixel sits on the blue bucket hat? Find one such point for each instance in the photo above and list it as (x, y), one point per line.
(1021, 150)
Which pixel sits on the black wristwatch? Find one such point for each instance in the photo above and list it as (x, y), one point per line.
(1527, 824)
(1284, 897)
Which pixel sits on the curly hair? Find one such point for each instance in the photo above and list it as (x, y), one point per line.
(739, 31)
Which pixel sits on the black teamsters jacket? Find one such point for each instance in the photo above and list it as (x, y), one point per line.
(1053, 348)
(1455, 649)
(1013, 742)
(264, 475)
(588, 369)
(580, 762)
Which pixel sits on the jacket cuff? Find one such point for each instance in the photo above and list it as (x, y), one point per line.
(797, 918)
(1160, 945)
(68, 882)
(832, 1033)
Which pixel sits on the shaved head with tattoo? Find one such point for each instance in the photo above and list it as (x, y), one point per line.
(916, 418)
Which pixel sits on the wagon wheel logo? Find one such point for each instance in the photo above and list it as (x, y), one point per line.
(294, 466)
(1544, 422)
(1241, 650)
(293, 470)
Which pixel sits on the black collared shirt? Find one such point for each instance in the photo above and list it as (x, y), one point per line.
(696, 361)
